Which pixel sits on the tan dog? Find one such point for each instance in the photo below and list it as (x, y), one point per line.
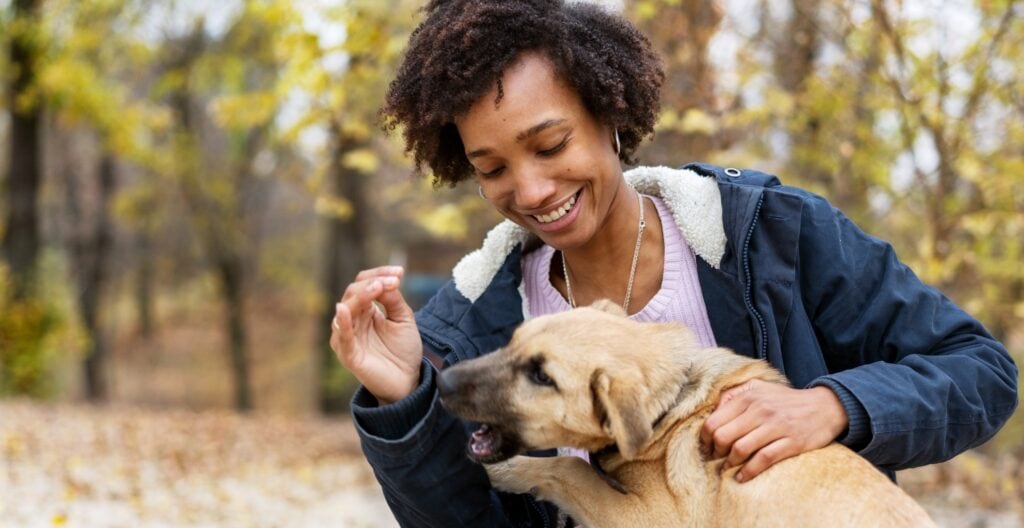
(591, 377)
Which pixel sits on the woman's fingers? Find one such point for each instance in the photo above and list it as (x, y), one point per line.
(342, 323)
(394, 304)
(722, 428)
(749, 443)
(359, 296)
(355, 313)
(379, 272)
(767, 457)
(374, 334)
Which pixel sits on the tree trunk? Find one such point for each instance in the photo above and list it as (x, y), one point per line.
(215, 225)
(88, 240)
(796, 50)
(683, 32)
(92, 271)
(345, 254)
(849, 189)
(21, 226)
(144, 284)
(233, 290)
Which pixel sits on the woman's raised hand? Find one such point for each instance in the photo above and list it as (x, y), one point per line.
(374, 334)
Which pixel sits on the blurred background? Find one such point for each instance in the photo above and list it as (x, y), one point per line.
(188, 186)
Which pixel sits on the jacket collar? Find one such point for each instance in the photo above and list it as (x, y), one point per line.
(696, 206)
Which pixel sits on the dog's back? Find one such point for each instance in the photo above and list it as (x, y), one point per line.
(831, 486)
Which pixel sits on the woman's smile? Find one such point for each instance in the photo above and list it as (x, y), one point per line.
(561, 216)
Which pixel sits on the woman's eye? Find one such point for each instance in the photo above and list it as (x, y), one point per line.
(556, 148)
(491, 173)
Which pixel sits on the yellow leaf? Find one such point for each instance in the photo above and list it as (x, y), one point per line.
(698, 121)
(60, 519)
(244, 110)
(446, 221)
(333, 206)
(363, 160)
(667, 120)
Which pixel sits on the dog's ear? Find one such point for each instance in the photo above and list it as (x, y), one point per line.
(621, 415)
(608, 307)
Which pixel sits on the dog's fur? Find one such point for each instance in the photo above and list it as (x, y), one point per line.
(647, 388)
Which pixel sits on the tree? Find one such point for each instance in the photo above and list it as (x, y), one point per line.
(344, 101)
(957, 111)
(85, 82)
(21, 239)
(690, 127)
(214, 155)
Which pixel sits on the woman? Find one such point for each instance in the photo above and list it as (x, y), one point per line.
(538, 102)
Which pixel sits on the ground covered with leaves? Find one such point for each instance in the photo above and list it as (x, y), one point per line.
(75, 465)
(128, 467)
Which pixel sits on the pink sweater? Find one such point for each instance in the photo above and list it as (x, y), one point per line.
(679, 298)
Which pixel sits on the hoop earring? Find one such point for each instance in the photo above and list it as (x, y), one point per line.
(480, 191)
(618, 146)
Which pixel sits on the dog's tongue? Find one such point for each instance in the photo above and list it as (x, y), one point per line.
(484, 442)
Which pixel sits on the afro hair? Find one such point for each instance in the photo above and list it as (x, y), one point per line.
(462, 47)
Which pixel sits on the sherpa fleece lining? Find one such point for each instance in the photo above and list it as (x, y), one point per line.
(695, 202)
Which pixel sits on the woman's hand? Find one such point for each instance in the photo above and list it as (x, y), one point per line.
(381, 347)
(758, 424)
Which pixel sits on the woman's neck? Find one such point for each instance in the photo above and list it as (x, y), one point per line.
(601, 268)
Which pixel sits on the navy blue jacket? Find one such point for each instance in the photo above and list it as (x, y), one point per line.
(796, 283)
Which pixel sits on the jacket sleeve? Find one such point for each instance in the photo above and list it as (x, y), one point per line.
(922, 380)
(417, 451)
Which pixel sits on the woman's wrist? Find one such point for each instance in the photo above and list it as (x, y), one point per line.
(399, 389)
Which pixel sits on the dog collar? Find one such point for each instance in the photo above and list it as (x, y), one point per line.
(595, 463)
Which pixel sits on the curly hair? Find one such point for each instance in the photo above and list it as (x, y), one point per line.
(462, 47)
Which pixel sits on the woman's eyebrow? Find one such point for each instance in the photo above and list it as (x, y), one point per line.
(532, 131)
(538, 128)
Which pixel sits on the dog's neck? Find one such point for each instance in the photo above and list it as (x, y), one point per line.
(699, 390)
(696, 394)
(595, 456)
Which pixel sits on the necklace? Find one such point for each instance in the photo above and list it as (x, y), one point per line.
(632, 267)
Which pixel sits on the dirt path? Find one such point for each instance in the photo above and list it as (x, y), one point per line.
(110, 467)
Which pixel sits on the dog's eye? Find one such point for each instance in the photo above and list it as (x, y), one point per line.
(538, 376)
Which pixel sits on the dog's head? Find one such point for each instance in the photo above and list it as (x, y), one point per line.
(584, 378)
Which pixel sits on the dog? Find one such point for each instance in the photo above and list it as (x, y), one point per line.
(591, 378)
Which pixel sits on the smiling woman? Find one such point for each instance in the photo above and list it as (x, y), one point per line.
(550, 165)
(539, 102)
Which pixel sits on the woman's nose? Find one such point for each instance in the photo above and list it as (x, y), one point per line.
(533, 188)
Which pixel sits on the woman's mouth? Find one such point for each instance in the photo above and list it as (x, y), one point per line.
(560, 217)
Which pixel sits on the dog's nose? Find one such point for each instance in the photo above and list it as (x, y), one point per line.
(446, 382)
(450, 381)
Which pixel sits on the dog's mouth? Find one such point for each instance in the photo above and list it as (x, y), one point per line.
(488, 445)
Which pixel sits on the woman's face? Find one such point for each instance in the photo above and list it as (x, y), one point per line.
(541, 158)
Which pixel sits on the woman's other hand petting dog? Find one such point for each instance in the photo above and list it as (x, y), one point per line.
(758, 424)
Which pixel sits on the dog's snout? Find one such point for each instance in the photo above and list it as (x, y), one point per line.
(450, 381)
(445, 385)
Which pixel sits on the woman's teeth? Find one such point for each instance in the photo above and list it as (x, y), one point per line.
(558, 213)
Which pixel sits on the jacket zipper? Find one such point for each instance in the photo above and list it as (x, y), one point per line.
(762, 352)
(445, 348)
(543, 514)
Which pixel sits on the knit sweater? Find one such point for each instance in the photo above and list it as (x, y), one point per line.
(679, 299)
